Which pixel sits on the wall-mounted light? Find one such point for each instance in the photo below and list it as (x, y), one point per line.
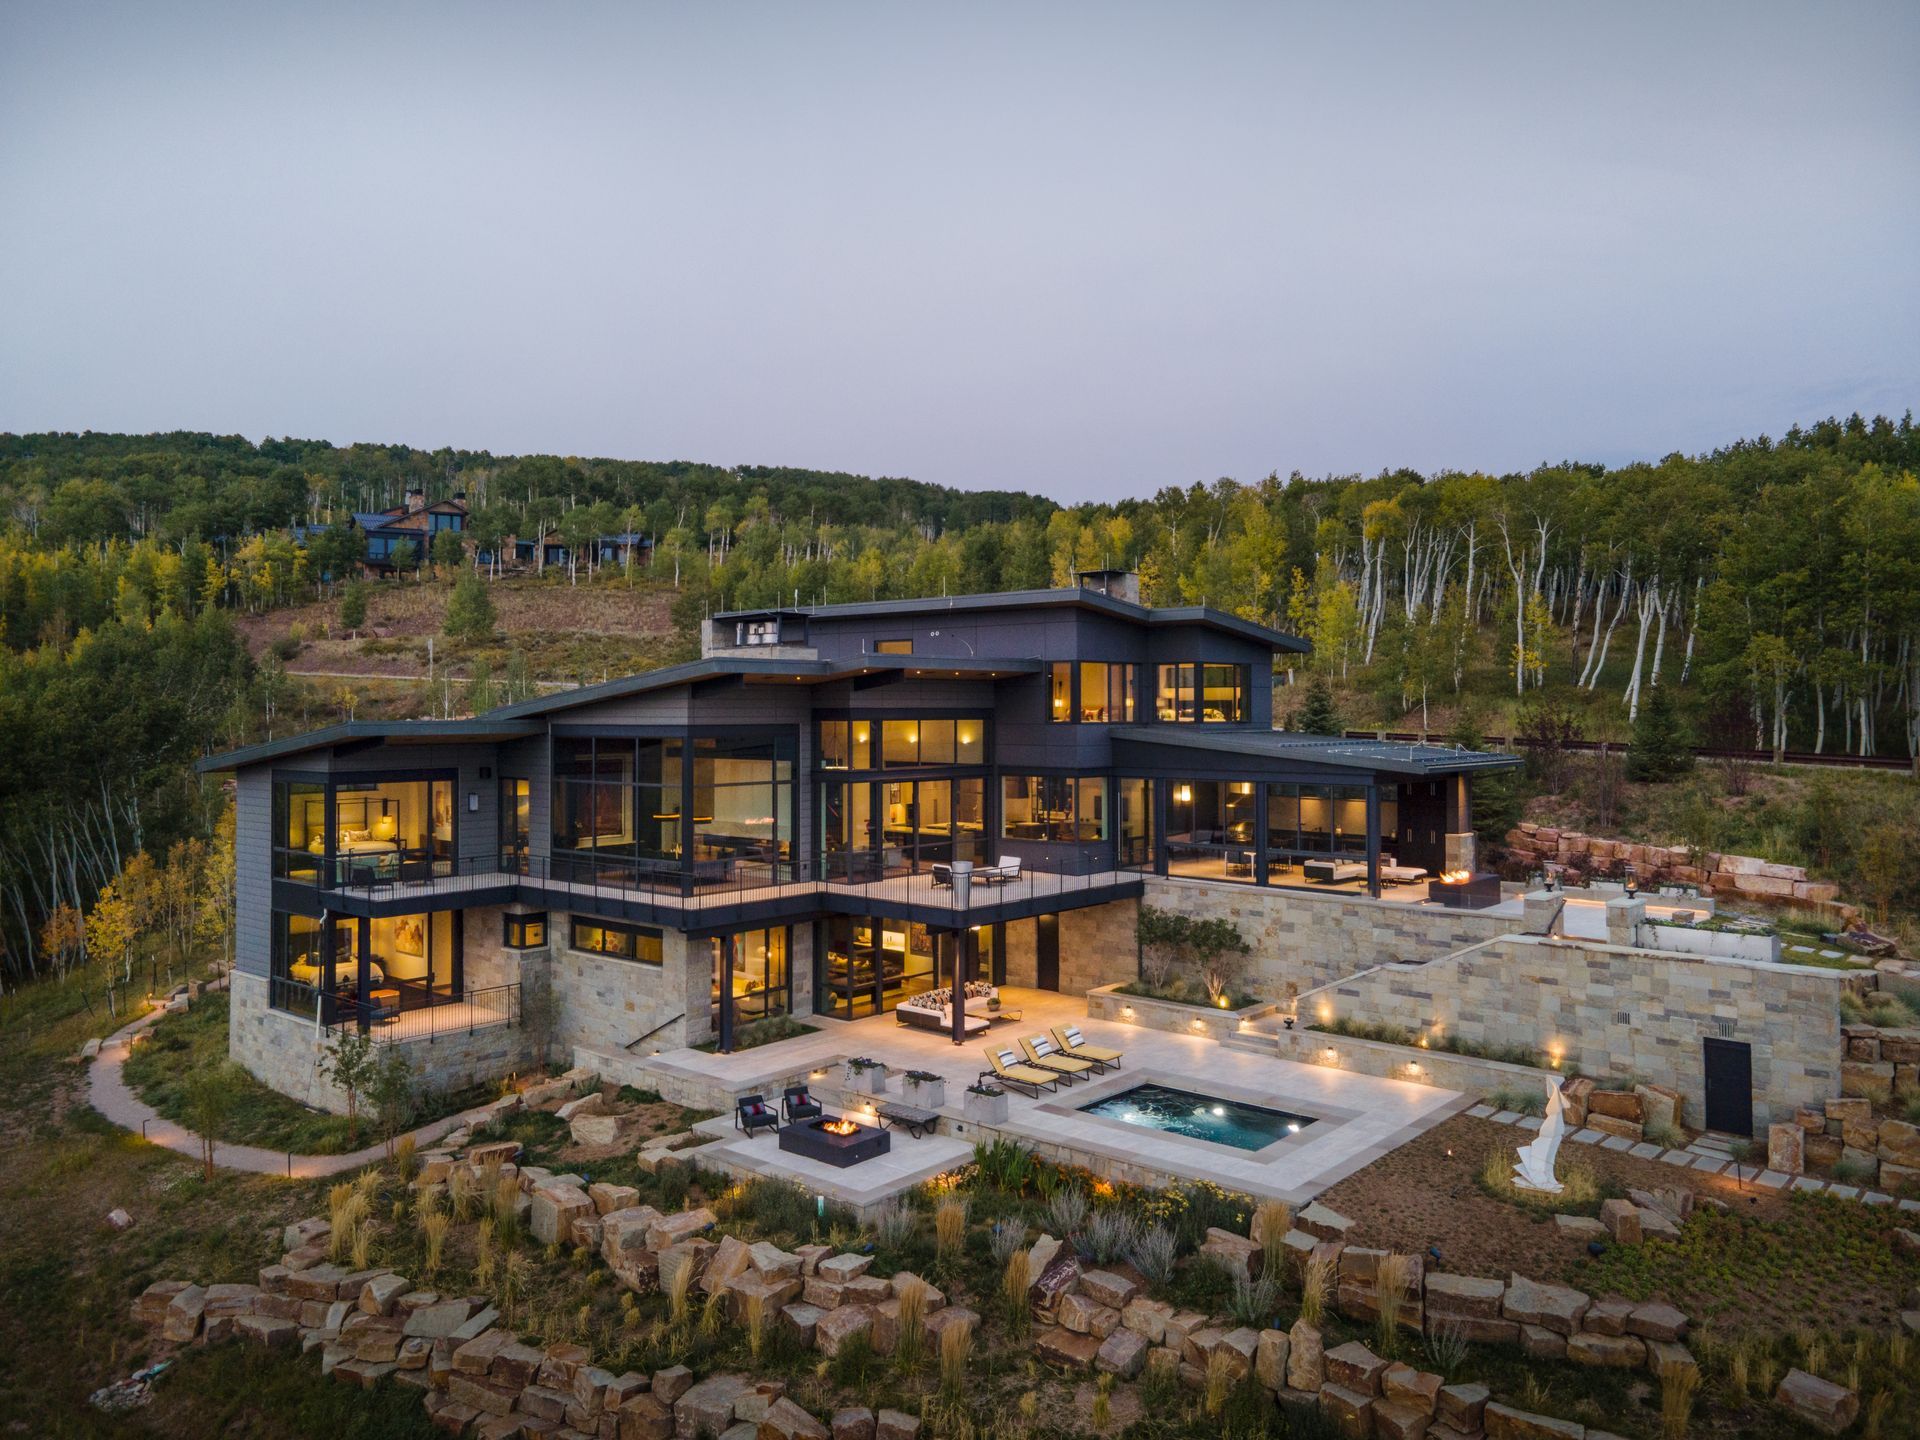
(473, 802)
(1127, 1011)
(1330, 1055)
(1183, 794)
(1413, 1067)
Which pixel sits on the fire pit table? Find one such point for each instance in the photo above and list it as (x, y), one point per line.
(1460, 890)
(835, 1141)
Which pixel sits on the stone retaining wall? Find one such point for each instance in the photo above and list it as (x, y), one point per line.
(1109, 1003)
(1616, 1013)
(1302, 939)
(1466, 1073)
(284, 1051)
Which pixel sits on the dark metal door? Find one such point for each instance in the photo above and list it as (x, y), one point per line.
(1729, 1070)
(1046, 961)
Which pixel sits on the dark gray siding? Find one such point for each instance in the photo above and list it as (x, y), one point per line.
(253, 869)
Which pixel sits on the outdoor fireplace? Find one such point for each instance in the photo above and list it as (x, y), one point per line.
(1464, 890)
(835, 1140)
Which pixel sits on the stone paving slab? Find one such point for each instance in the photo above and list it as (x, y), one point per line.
(1771, 1180)
(1529, 1122)
(1843, 1192)
(1482, 1112)
(1586, 1137)
(1678, 1157)
(1712, 1164)
(1507, 1117)
(1616, 1142)
(1807, 1182)
(1645, 1150)
(1874, 1197)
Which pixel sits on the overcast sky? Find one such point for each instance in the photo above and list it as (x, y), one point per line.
(1083, 249)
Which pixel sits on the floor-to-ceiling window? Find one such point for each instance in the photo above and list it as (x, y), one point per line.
(751, 969)
(1133, 811)
(913, 794)
(1210, 826)
(868, 964)
(1313, 825)
(516, 824)
(1209, 693)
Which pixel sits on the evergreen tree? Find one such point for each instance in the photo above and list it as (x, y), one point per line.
(1659, 750)
(470, 610)
(353, 606)
(1317, 714)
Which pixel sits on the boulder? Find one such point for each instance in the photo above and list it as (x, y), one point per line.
(1552, 1307)
(673, 1382)
(1404, 1385)
(1659, 1106)
(770, 1262)
(855, 1423)
(1614, 1125)
(1620, 1104)
(1608, 1315)
(1618, 1352)
(1462, 1406)
(802, 1320)
(1622, 1220)
(1786, 1149)
(1306, 1357)
(707, 1406)
(1657, 1320)
(1665, 1355)
(895, 1425)
(555, 1208)
(1820, 1403)
(836, 1327)
(1543, 1344)
(729, 1259)
(1059, 1278)
(672, 1229)
(1469, 1295)
(1235, 1254)
(1124, 1353)
(1057, 1346)
(610, 1199)
(1503, 1422)
(624, 1232)
(841, 1268)
(1270, 1359)
(1087, 1316)
(378, 1295)
(1395, 1420)
(184, 1313)
(1147, 1318)
(1324, 1224)
(1354, 1367)
(785, 1420)
(1348, 1412)
(1104, 1287)
(267, 1331)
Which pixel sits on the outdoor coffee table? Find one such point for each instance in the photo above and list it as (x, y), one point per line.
(1010, 1013)
(917, 1121)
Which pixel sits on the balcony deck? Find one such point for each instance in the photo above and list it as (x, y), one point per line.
(917, 896)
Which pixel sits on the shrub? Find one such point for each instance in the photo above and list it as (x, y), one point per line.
(1109, 1235)
(1015, 1281)
(1153, 1255)
(1067, 1210)
(1254, 1301)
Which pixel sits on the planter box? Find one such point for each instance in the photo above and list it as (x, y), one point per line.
(927, 1094)
(984, 1109)
(1106, 1002)
(870, 1081)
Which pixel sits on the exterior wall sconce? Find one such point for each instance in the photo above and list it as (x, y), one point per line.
(473, 802)
(1126, 1011)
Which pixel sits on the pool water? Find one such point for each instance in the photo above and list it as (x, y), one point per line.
(1200, 1117)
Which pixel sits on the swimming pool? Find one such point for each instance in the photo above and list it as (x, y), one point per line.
(1199, 1117)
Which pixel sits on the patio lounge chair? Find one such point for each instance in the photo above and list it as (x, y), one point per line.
(1008, 1069)
(1006, 869)
(1043, 1052)
(751, 1113)
(1074, 1044)
(797, 1104)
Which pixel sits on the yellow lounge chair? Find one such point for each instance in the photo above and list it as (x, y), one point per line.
(1074, 1044)
(1044, 1053)
(1006, 1067)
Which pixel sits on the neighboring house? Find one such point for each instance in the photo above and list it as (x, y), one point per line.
(551, 552)
(834, 809)
(416, 522)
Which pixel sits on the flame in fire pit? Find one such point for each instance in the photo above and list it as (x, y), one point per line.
(1455, 877)
(840, 1127)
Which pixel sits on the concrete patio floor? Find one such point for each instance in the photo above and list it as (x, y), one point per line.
(1358, 1117)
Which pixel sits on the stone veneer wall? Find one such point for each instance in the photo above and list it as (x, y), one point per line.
(605, 1004)
(1616, 1012)
(1307, 940)
(1098, 946)
(284, 1051)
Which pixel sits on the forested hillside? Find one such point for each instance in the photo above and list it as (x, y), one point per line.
(1772, 586)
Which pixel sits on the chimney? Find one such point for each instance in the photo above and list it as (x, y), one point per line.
(416, 501)
(1120, 584)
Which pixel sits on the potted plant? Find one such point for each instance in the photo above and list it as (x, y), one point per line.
(984, 1104)
(866, 1076)
(924, 1089)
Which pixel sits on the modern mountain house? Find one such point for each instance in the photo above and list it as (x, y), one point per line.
(835, 809)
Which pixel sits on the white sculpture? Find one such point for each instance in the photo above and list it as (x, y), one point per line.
(1535, 1170)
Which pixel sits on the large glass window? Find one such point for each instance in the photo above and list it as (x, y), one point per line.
(742, 802)
(299, 829)
(617, 942)
(1095, 704)
(904, 744)
(516, 823)
(1210, 829)
(1213, 694)
(833, 745)
(1056, 808)
(616, 806)
(1173, 697)
(392, 830)
(867, 964)
(1223, 693)
(899, 742)
(1133, 802)
(523, 932)
(1060, 692)
(759, 979)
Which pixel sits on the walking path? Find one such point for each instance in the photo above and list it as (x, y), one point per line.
(110, 1094)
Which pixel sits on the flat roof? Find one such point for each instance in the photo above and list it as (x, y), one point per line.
(492, 726)
(1371, 755)
(769, 672)
(1277, 640)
